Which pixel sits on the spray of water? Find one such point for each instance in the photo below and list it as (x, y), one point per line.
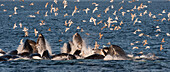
(48, 47)
(64, 48)
(20, 47)
(86, 50)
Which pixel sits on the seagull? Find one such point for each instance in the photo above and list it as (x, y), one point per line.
(2, 5)
(163, 19)
(134, 7)
(67, 29)
(111, 1)
(141, 34)
(135, 48)
(121, 22)
(163, 40)
(78, 27)
(70, 22)
(135, 21)
(153, 16)
(38, 12)
(128, 11)
(168, 34)
(107, 9)
(82, 30)
(46, 5)
(99, 15)
(14, 26)
(132, 44)
(32, 16)
(114, 12)
(96, 45)
(35, 32)
(31, 4)
(169, 15)
(96, 8)
(99, 22)
(26, 33)
(15, 10)
(145, 42)
(25, 29)
(116, 18)
(150, 14)
(163, 11)
(65, 5)
(55, 14)
(86, 10)
(100, 35)
(147, 47)
(65, 15)
(95, 4)
(4, 10)
(140, 14)
(93, 20)
(161, 48)
(112, 6)
(145, 12)
(55, 1)
(49, 29)
(20, 24)
(46, 13)
(22, 6)
(66, 23)
(75, 10)
(123, 13)
(132, 15)
(42, 23)
(78, 0)
(120, 8)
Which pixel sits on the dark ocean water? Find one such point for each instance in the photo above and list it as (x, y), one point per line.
(10, 38)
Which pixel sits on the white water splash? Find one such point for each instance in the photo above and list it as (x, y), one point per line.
(48, 47)
(64, 48)
(20, 47)
(86, 50)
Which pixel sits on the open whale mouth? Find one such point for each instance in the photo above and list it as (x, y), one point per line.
(72, 50)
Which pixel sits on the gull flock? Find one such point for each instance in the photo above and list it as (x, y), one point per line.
(77, 49)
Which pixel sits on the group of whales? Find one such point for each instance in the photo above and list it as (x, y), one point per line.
(74, 49)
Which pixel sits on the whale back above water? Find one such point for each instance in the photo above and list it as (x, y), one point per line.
(116, 52)
(63, 56)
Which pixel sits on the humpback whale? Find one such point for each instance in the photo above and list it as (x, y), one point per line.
(13, 52)
(27, 47)
(95, 56)
(46, 55)
(2, 52)
(35, 56)
(32, 44)
(116, 53)
(72, 46)
(40, 44)
(77, 41)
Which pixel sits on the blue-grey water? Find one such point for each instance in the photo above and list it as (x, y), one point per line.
(10, 38)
